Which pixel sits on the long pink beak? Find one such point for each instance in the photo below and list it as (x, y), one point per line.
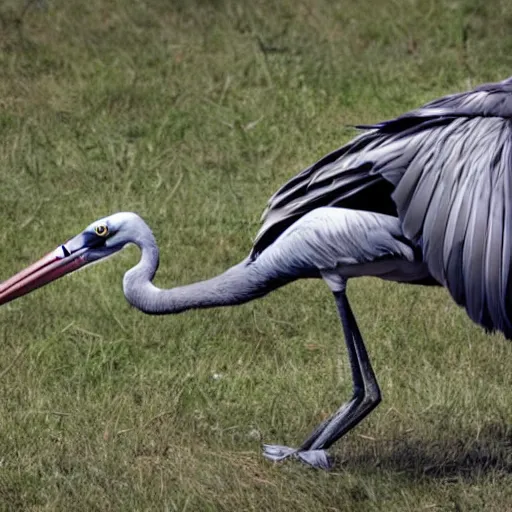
(49, 268)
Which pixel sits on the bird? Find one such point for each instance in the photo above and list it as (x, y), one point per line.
(424, 198)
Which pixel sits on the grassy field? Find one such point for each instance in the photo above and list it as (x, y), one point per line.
(191, 113)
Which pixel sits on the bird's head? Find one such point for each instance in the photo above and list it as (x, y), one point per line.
(99, 240)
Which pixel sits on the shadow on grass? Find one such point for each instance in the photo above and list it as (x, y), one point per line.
(468, 456)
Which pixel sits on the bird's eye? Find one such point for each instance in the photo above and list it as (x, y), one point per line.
(101, 230)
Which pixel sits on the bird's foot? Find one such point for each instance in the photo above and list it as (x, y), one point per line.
(316, 458)
(277, 452)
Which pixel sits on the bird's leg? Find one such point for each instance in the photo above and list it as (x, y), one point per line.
(366, 396)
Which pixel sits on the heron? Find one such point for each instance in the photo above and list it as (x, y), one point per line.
(424, 198)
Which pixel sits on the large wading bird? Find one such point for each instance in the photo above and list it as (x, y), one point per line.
(425, 198)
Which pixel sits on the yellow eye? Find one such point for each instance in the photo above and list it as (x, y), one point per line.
(101, 230)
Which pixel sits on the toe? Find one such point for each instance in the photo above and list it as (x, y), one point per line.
(277, 452)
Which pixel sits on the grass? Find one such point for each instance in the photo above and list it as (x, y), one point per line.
(192, 113)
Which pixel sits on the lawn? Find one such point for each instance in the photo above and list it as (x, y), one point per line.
(192, 113)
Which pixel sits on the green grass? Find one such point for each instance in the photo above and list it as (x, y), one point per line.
(192, 113)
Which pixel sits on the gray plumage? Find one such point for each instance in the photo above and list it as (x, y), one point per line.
(448, 165)
(326, 241)
(423, 198)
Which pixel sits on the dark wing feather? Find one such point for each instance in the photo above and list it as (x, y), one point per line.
(447, 168)
(456, 209)
(344, 178)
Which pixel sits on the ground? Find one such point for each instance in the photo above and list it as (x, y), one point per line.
(192, 113)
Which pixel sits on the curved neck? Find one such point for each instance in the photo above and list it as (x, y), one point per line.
(239, 284)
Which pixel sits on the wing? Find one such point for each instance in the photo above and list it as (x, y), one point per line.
(446, 166)
(454, 199)
(343, 178)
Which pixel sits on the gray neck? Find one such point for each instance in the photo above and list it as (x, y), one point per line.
(237, 285)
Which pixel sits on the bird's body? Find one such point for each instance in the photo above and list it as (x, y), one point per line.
(425, 198)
